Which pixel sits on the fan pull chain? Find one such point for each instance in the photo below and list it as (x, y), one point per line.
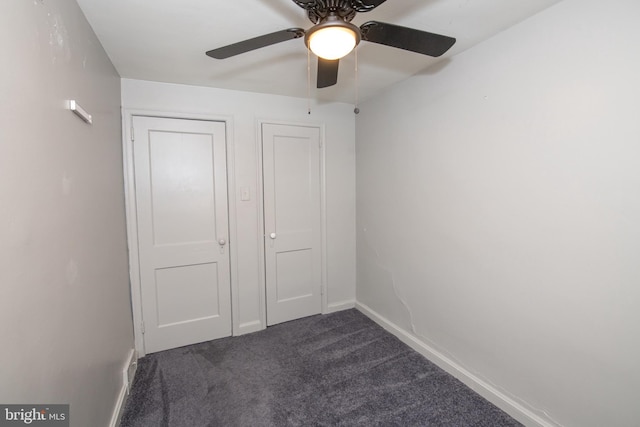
(356, 110)
(308, 81)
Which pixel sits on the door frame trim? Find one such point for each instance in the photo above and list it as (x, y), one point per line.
(323, 214)
(132, 221)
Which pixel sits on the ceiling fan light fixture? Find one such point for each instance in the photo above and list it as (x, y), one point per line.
(333, 38)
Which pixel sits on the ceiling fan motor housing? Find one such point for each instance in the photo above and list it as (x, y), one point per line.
(319, 10)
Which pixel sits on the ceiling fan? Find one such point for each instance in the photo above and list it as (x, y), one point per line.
(333, 36)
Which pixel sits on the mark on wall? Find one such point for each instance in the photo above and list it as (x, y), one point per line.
(19, 236)
(66, 185)
(72, 272)
(382, 281)
(58, 38)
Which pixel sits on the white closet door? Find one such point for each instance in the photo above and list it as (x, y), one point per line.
(182, 214)
(291, 169)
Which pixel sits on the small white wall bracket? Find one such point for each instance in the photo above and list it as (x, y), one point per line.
(73, 106)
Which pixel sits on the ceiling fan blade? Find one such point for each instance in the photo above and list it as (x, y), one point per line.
(255, 43)
(406, 38)
(327, 72)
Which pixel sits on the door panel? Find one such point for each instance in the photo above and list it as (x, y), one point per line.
(181, 202)
(294, 273)
(291, 169)
(180, 162)
(185, 293)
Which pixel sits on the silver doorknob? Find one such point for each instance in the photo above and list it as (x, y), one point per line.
(272, 235)
(222, 242)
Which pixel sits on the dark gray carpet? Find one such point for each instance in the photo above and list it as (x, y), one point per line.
(337, 369)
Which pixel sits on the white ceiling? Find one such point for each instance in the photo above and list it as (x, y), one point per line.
(166, 41)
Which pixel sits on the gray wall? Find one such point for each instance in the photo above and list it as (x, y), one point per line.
(498, 211)
(65, 316)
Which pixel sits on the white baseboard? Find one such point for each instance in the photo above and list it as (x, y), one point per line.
(489, 392)
(117, 411)
(128, 373)
(340, 305)
(249, 327)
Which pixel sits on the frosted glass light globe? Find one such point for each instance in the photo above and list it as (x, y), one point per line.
(332, 42)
